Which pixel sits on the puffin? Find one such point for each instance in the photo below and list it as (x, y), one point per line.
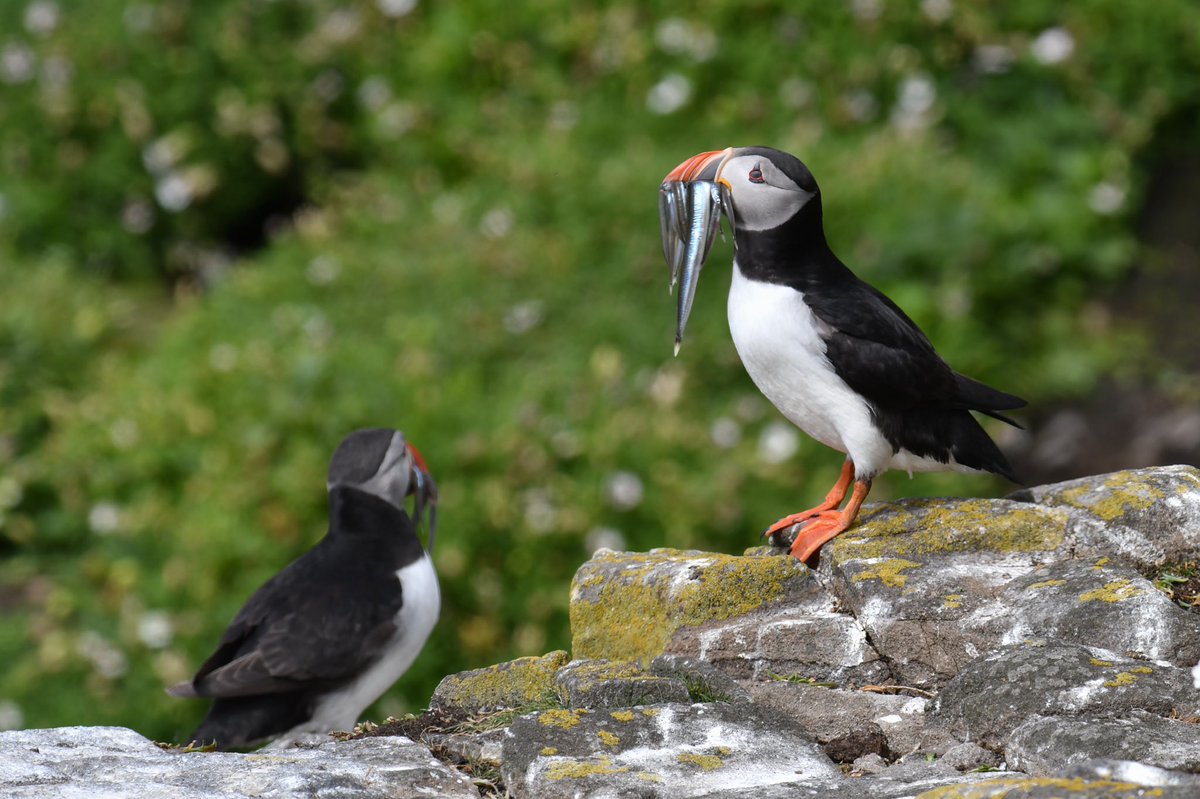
(832, 353)
(324, 638)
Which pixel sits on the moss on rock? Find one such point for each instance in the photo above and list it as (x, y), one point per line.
(523, 682)
(628, 605)
(1010, 788)
(920, 527)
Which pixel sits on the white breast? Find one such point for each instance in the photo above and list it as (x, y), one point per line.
(779, 341)
(414, 622)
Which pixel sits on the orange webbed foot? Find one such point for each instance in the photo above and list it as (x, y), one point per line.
(813, 535)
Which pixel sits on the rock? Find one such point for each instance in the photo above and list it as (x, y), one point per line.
(660, 750)
(923, 578)
(1101, 604)
(479, 747)
(705, 682)
(864, 739)
(998, 692)
(627, 605)
(869, 764)
(1044, 746)
(70, 762)
(1128, 771)
(1147, 517)
(807, 638)
(519, 683)
(604, 683)
(967, 756)
(828, 714)
(1045, 788)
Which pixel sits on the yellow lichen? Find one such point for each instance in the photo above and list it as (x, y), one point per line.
(650, 711)
(999, 788)
(952, 601)
(889, 572)
(1098, 662)
(566, 719)
(1115, 591)
(576, 770)
(646, 776)
(607, 738)
(636, 609)
(1120, 494)
(917, 527)
(1141, 670)
(523, 681)
(1100, 564)
(622, 715)
(1046, 584)
(549, 751)
(706, 762)
(1123, 678)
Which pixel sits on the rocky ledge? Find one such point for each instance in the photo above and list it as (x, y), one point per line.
(946, 649)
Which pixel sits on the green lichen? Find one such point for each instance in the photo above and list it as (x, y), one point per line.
(706, 762)
(565, 719)
(622, 715)
(1119, 495)
(635, 610)
(1046, 584)
(607, 738)
(577, 770)
(952, 601)
(1115, 591)
(918, 527)
(1000, 788)
(520, 682)
(889, 572)
(549, 751)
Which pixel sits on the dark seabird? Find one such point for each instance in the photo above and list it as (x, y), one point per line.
(324, 638)
(838, 358)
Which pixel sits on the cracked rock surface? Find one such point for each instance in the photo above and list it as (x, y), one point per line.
(1018, 648)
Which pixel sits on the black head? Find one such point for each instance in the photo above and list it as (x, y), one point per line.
(381, 462)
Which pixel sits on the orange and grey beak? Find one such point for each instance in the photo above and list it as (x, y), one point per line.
(690, 202)
(424, 492)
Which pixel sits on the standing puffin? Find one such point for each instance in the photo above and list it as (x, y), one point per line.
(321, 640)
(838, 358)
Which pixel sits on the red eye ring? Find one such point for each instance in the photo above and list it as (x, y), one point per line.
(756, 175)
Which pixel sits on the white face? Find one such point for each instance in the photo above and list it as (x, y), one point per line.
(391, 482)
(763, 197)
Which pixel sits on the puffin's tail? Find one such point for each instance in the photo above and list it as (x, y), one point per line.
(981, 397)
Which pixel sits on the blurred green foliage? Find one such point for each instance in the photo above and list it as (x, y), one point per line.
(456, 207)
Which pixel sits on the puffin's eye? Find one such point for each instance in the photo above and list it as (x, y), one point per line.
(756, 175)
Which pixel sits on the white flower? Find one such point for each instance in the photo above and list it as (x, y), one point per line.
(1053, 46)
(778, 442)
(104, 518)
(1106, 198)
(725, 432)
(624, 490)
(669, 94)
(397, 8)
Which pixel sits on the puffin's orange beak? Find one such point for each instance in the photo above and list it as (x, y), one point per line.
(704, 166)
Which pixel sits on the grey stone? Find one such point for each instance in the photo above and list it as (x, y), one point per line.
(480, 747)
(1146, 517)
(924, 578)
(516, 683)
(70, 762)
(903, 783)
(967, 756)
(661, 750)
(869, 764)
(998, 692)
(1020, 786)
(701, 679)
(808, 638)
(604, 683)
(1128, 771)
(829, 713)
(1102, 604)
(1043, 746)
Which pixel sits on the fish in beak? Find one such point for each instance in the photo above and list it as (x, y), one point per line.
(691, 200)
(424, 493)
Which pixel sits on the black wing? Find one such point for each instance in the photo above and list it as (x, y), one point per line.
(317, 621)
(882, 354)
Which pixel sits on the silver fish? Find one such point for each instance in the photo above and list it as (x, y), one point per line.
(690, 220)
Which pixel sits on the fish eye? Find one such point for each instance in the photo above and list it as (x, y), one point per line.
(756, 175)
